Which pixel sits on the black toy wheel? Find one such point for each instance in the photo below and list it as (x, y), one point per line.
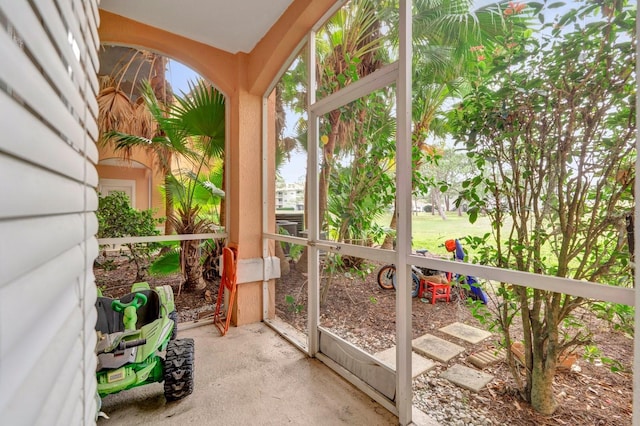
(178, 369)
(415, 288)
(386, 275)
(174, 317)
(415, 284)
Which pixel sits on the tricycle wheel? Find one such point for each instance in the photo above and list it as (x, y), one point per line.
(178, 369)
(415, 284)
(386, 276)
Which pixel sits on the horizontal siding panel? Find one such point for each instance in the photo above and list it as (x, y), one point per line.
(37, 41)
(92, 132)
(88, 29)
(76, 416)
(54, 283)
(34, 142)
(90, 332)
(25, 79)
(29, 243)
(49, 347)
(58, 30)
(60, 404)
(91, 177)
(91, 199)
(91, 252)
(90, 290)
(93, 7)
(47, 158)
(74, 28)
(92, 152)
(94, 21)
(26, 190)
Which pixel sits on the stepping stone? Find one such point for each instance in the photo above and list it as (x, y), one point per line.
(419, 364)
(486, 358)
(436, 348)
(466, 377)
(421, 418)
(466, 332)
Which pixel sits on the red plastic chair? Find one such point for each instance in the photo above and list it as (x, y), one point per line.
(227, 283)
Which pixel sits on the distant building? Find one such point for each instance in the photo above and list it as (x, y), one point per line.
(289, 196)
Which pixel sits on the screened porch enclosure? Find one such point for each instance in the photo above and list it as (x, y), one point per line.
(48, 91)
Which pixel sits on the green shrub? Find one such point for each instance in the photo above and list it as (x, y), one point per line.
(116, 218)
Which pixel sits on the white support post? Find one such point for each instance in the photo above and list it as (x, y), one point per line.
(403, 200)
(636, 237)
(313, 222)
(265, 205)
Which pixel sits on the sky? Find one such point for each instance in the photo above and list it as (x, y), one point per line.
(179, 76)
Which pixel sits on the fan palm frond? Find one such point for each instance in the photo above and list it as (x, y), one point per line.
(166, 264)
(114, 110)
(143, 122)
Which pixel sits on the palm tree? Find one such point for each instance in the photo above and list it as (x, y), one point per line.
(194, 128)
(118, 112)
(444, 33)
(349, 47)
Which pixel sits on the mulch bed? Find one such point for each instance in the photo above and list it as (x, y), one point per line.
(361, 312)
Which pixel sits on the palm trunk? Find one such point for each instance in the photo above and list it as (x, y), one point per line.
(393, 225)
(191, 267)
(168, 207)
(223, 204)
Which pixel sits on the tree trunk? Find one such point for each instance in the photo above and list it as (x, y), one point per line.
(391, 236)
(436, 195)
(542, 399)
(302, 265)
(191, 267)
(285, 268)
(433, 203)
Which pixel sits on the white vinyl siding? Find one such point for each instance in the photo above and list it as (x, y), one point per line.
(48, 154)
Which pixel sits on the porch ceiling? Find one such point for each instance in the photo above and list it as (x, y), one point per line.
(232, 26)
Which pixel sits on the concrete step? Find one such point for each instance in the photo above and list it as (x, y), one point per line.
(419, 364)
(468, 378)
(435, 348)
(466, 332)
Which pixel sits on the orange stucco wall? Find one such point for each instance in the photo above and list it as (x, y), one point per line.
(244, 79)
(146, 179)
(140, 176)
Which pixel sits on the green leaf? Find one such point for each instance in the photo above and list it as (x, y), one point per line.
(167, 264)
(556, 5)
(473, 215)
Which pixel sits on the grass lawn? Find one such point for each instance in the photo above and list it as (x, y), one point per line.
(430, 231)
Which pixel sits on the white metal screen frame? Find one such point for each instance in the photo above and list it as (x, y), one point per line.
(400, 74)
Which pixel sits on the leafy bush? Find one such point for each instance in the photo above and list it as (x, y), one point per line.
(116, 218)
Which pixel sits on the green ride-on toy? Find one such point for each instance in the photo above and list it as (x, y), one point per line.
(137, 343)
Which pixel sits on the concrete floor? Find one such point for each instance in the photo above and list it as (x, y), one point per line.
(251, 376)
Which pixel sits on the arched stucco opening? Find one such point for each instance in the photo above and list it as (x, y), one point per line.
(131, 177)
(124, 69)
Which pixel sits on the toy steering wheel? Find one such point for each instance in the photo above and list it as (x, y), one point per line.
(130, 315)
